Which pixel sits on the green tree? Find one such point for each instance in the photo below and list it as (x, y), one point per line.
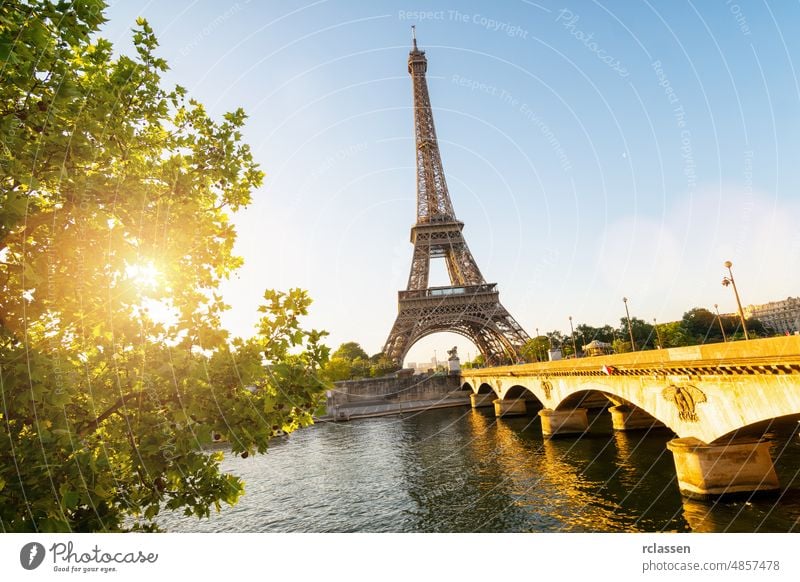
(360, 368)
(674, 335)
(349, 361)
(732, 324)
(350, 351)
(535, 349)
(701, 324)
(477, 362)
(587, 333)
(115, 232)
(621, 346)
(338, 369)
(381, 365)
(644, 334)
(758, 329)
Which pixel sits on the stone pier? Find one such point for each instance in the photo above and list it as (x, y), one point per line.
(706, 471)
(511, 407)
(625, 417)
(562, 422)
(481, 400)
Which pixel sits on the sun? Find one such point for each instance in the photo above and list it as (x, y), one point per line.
(147, 279)
(144, 275)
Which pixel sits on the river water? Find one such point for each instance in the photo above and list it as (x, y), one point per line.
(463, 470)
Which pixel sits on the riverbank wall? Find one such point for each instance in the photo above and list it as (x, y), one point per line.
(395, 394)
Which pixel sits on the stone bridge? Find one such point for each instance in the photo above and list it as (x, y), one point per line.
(716, 398)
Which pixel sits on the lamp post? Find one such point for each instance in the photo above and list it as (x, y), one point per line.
(630, 327)
(729, 281)
(538, 351)
(574, 346)
(721, 327)
(658, 335)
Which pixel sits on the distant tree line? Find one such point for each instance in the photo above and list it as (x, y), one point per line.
(697, 326)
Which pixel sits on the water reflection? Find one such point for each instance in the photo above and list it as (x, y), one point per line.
(460, 470)
(626, 469)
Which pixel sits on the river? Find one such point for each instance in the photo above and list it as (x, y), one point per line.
(463, 470)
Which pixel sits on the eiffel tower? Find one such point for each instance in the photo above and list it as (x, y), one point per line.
(469, 305)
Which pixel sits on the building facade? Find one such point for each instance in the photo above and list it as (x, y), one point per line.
(782, 316)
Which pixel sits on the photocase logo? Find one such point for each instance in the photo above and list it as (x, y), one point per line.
(31, 555)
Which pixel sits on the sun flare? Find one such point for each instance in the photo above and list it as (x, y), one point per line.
(143, 275)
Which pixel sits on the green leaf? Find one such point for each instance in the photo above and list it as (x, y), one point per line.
(5, 50)
(101, 491)
(70, 499)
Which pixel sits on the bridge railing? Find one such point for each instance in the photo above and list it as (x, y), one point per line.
(769, 355)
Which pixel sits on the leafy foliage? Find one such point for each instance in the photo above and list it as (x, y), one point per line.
(115, 198)
(350, 351)
(535, 349)
(350, 361)
(338, 369)
(478, 362)
(697, 326)
(381, 365)
(643, 333)
(674, 334)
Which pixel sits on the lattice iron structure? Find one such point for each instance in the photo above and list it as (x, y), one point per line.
(469, 305)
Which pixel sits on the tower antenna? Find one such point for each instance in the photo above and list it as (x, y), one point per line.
(414, 35)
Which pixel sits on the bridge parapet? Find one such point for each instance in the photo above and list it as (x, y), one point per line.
(771, 356)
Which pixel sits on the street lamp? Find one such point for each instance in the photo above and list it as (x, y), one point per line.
(538, 347)
(630, 328)
(729, 281)
(721, 327)
(574, 347)
(658, 335)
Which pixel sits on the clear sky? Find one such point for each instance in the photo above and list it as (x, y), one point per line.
(594, 150)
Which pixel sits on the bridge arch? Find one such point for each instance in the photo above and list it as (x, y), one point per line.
(590, 398)
(486, 388)
(518, 391)
(517, 399)
(758, 428)
(591, 394)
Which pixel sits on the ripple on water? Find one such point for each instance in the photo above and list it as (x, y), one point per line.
(458, 470)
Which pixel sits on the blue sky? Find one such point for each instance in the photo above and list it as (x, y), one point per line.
(594, 150)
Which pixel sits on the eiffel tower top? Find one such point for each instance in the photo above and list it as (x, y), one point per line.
(433, 199)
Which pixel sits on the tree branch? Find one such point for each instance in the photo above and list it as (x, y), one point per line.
(95, 424)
